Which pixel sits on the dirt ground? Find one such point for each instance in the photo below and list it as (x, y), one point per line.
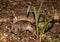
(11, 8)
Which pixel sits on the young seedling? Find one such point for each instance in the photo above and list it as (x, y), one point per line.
(36, 17)
(46, 23)
(37, 13)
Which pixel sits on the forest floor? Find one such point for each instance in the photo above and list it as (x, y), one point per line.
(10, 8)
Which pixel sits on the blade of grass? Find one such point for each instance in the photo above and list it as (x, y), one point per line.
(36, 18)
(52, 11)
(47, 40)
(42, 29)
(28, 9)
(47, 23)
(53, 40)
(40, 6)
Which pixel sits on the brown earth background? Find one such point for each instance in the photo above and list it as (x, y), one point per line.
(10, 8)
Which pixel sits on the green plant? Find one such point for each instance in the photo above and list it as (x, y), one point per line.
(37, 13)
(28, 9)
(36, 18)
(46, 23)
(47, 39)
(52, 40)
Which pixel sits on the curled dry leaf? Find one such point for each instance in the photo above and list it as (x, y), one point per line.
(56, 16)
(4, 19)
(24, 17)
(22, 26)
